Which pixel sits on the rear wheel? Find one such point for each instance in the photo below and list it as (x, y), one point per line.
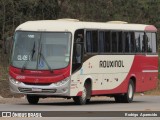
(127, 97)
(32, 99)
(85, 98)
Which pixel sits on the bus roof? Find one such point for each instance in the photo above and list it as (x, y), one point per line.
(71, 25)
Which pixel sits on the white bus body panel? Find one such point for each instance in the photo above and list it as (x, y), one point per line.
(99, 75)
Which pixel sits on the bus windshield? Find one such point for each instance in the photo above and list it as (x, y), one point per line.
(41, 50)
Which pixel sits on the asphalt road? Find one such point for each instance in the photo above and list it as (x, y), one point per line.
(140, 103)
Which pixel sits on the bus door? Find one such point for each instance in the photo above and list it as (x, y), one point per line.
(78, 50)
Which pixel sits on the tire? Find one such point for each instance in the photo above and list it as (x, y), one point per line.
(85, 98)
(32, 99)
(127, 97)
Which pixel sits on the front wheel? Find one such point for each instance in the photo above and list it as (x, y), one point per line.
(32, 99)
(81, 100)
(127, 97)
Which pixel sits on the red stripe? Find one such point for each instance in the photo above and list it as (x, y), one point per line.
(41, 76)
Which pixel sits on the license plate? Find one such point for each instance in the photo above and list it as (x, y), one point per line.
(36, 89)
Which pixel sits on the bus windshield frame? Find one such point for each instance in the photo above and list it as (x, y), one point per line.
(34, 50)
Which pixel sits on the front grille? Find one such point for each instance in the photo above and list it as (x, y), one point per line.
(42, 84)
(30, 90)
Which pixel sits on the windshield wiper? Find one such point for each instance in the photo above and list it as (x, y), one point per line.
(42, 56)
(32, 54)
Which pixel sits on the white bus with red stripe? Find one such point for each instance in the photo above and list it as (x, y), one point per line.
(74, 59)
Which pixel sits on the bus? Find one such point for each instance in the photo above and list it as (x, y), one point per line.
(69, 58)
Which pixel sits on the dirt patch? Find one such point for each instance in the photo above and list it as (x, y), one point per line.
(5, 91)
(153, 92)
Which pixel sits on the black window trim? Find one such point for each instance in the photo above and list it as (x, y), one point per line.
(123, 49)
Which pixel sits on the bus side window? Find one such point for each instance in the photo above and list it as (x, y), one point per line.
(139, 41)
(148, 39)
(132, 50)
(114, 42)
(88, 42)
(101, 42)
(120, 42)
(92, 41)
(95, 41)
(107, 43)
(154, 47)
(127, 41)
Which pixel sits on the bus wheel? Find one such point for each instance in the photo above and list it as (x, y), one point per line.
(127, 97)
(32, 99)
(81, 100)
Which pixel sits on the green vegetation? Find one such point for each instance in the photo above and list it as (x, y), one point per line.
(15, 12)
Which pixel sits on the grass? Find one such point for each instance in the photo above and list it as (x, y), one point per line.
(3, 65)
(3, 73)
(155, 91)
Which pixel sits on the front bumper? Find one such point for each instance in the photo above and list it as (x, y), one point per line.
(44, 90)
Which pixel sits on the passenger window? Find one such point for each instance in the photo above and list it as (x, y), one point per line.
(88, 42)
(101, 41)
(92, 41)
(154, 47)
(139, 41)
(120, 42)
(114, 42)
(127, 38)
(107, 44)
(95, 41)
(148, 40)
(145, 42)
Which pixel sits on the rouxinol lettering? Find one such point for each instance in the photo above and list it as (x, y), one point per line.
(109, 64)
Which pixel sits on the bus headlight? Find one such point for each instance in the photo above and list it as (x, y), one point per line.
(62, 82)
(13, 80)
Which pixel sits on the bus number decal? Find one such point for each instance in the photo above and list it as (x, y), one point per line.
(20, 77)
(23, 57)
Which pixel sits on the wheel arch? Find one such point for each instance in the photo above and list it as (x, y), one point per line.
(89, 84)
(89, 81)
